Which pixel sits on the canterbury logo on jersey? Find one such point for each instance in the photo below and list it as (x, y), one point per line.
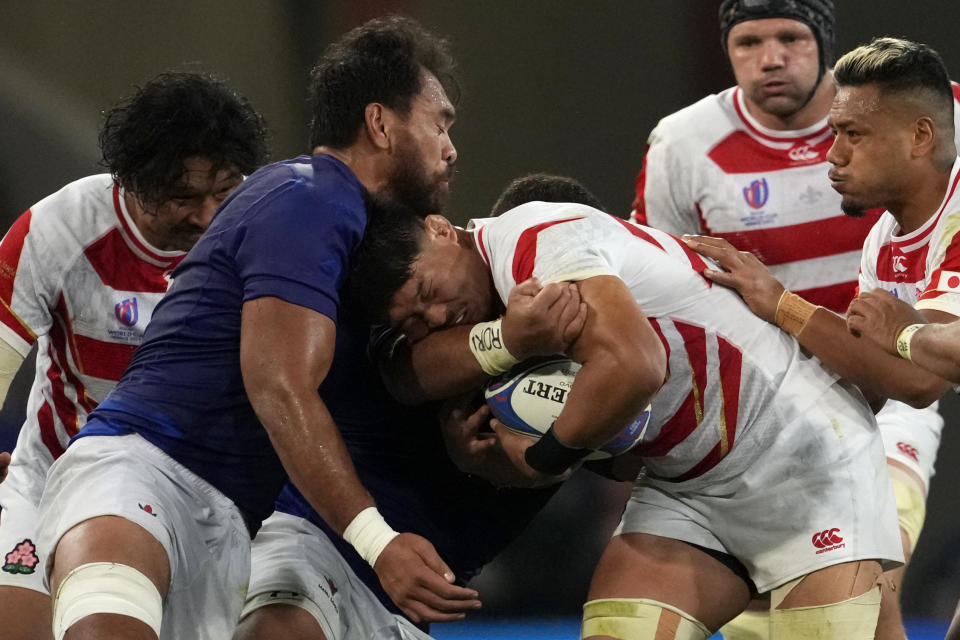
(827, 540)
(803, 153)
(909, 450)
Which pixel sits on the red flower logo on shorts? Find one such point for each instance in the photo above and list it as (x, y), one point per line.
(23, 558)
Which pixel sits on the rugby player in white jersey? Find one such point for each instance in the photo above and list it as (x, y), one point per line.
(764, 472)
(749, 165)
(894, 118)
(82, 271)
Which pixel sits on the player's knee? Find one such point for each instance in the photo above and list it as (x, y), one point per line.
(638, 619)
(749, 625)
(850, 619)
(284, 614)
(106, 587)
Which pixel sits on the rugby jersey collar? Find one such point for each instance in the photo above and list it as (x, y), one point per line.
(135, 240)
(923, 232)
(814, 134)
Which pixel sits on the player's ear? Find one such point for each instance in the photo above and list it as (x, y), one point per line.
(439, 228)
(375, 124)
(924, 136)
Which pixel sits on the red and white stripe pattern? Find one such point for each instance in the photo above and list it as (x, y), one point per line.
(921, 267)
(725, 364)
(712, 169)
(77, 278)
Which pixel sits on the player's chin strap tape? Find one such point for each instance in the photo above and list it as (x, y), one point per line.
(486, 344)
(549, 455)
(106, 587)
(369, 534)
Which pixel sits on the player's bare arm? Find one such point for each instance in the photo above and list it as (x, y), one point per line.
(825, 334)
(285, 353)
(880, 318)
(4, 464)
(624, 365)
(538, 321)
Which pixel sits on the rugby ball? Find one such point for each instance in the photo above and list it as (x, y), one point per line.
(528, 398)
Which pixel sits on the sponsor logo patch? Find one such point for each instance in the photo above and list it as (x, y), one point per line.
(827, 540)
(23, 559)
(146, 508)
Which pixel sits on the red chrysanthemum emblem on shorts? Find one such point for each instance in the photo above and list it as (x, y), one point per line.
(23, 558)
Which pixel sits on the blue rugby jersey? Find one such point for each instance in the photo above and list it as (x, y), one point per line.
(287, 232)
(400, 457)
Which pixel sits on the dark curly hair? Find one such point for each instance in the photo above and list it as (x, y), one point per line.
(379, 61)
(545, 188)
(383, 261)
(175, 116)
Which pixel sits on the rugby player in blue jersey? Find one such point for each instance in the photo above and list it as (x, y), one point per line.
(153, 505)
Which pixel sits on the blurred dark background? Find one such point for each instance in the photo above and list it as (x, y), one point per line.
(559, 86)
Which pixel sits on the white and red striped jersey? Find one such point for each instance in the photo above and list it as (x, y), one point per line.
(730, 373)
(78, 278)
(921, 267)
(712, 169)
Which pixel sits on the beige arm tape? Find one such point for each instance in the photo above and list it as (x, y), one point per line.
(852, 619)
(10, 361)
(631, 618)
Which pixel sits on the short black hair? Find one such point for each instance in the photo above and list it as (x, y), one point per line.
(545, 188)
(383, 261)
(146, 138)
(379, 61)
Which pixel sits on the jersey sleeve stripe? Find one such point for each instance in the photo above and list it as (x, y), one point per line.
(10, 250)
(525, 256)
(639, 213)
(48, 430)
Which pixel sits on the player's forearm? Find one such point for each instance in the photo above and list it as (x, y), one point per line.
(313, 454)
(437, 367)
(871, 368)
(936, 348)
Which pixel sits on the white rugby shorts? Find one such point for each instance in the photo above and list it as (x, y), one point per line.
(291, 556)
(789, 499)
(21, 557)
(911, 437)
(201, 529)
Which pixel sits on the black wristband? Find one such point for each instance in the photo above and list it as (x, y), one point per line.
(549, 455)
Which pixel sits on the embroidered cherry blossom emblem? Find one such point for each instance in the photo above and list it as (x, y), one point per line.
(23, 558)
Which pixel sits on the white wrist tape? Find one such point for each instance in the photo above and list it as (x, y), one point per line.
(486, 343)
(369, 534)
(904, 339)
(106, 587)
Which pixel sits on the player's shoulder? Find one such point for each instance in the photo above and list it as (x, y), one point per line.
(82, 204)
(701, 122)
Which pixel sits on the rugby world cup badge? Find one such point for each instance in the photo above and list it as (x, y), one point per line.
(127, 312)
(756, 193)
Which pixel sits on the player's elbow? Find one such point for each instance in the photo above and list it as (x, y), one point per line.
(922, 391)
